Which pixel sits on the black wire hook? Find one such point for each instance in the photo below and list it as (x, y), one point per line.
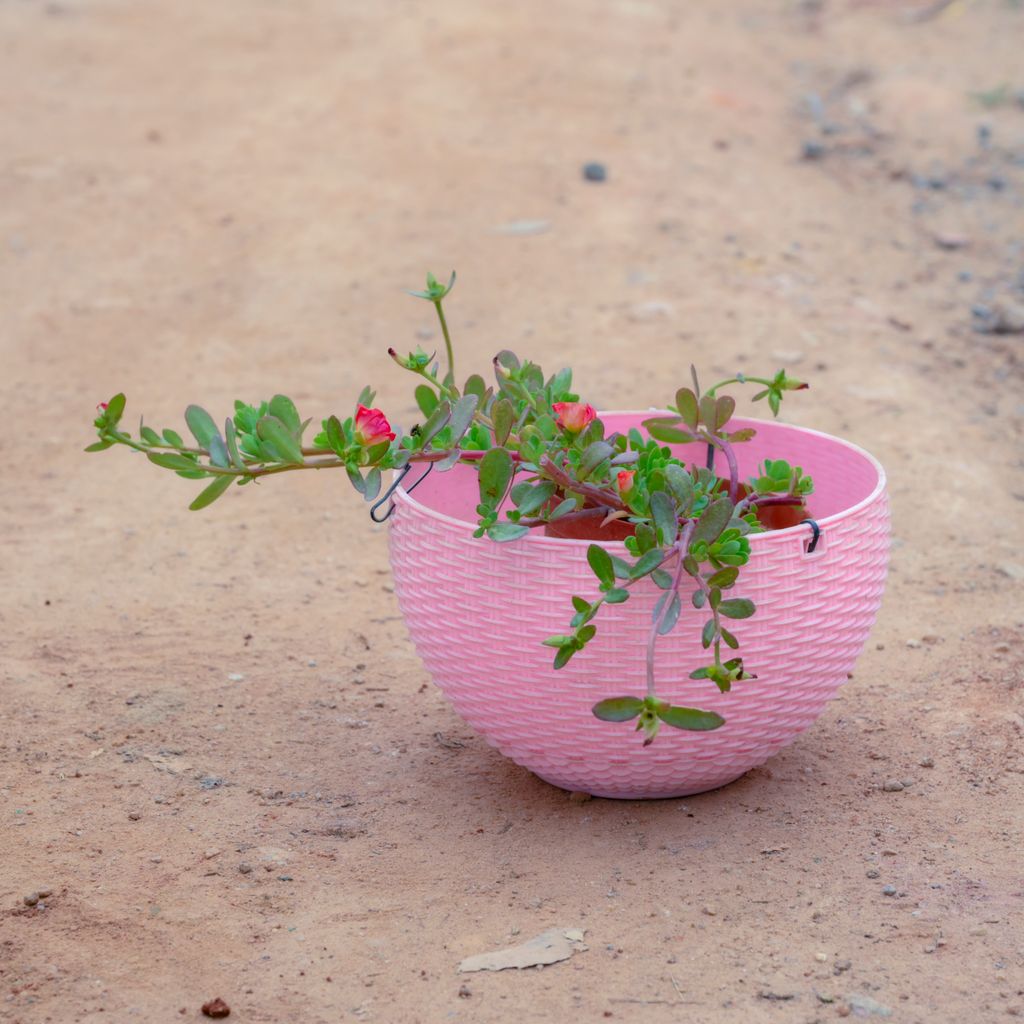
(815, 534)
(391, 490)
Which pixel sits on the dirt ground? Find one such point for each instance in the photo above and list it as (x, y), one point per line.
(218, 748)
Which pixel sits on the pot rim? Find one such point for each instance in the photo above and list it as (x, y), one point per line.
(536, 537)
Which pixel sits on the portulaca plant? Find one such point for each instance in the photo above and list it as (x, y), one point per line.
(545, 461)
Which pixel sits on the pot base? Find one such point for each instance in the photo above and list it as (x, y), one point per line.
(605, 793)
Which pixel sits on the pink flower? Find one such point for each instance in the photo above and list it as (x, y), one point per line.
(102, 408)
(625, 480)
(372, 427)
(573, 416)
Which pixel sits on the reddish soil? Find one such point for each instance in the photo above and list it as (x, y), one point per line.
(219, 749)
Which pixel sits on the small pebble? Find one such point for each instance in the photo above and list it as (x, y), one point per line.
(873, 873)
(216, 1008)
(914, 644)
(235, 677)
(813, 150)
(821, 957)
(927, 762)
(893, 786)
(31, 899)
(888, 890)
(134, 815)
(245, 867)
(711, 910)
(841, 966)
(594, 171)
(43, 893)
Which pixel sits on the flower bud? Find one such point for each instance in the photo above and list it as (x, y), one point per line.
(573, 416)
(372, 427)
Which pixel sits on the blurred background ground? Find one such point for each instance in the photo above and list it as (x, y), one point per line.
(218, 749)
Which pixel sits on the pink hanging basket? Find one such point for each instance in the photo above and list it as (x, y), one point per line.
(478, 611)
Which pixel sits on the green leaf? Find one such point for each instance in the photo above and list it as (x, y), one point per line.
(462, 416)
(737, 608)
(562, 509)
(373, 482)
(686, 403)
(200, 422)
(617, 595)
(495, 474)
(426, 399)
(335, 435)
(698, 598)
(601, 562)
(672, 615)
(623, 570)
(680, 483)
(114, 410)
(173, 438)
(651, 560)
(774, 398)
(581, 604)
(171, 460)
(729, 638)
(664, 511)
(219, 452)
(725, 406)
(274, 432)
(662, 578)
(507, 531)
(231, 441)
(533, 499)
(593, 456)
(475, 385)
(436, 421)
(502, 416)
(706, 405)
(284, 409)
(356, 479)
(724, 578)
(99, 446)
(557, 641)
(211, 493)
(618, 709)
(707, 634)
(714, 520)
(563, 655)
(645, 538)
(149, 435)
(690, 719)
(666, 429)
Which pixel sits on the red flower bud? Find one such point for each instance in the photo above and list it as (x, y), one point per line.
(625, 480)
(372, 427)
(573, 416)
(102, 407)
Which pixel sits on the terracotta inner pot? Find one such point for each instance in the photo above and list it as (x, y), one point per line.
(771, 517)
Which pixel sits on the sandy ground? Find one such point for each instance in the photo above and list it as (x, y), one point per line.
(220, 200)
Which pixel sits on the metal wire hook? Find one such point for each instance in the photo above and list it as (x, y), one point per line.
(815, 534)
(391, 490)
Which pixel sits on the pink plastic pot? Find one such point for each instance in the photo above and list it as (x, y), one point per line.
(478, 611)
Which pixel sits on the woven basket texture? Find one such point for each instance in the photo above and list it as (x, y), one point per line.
(477, 612)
